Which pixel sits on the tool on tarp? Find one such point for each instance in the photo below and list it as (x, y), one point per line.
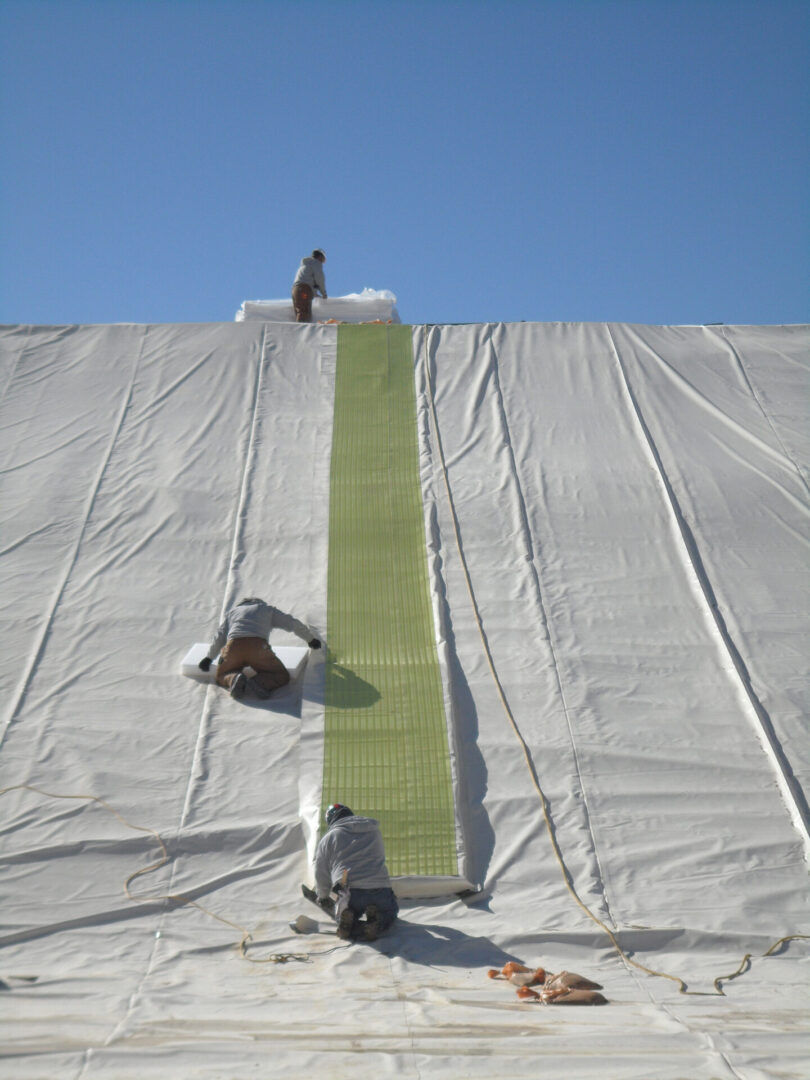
(334, 904)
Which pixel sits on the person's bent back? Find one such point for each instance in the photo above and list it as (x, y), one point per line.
(352, 849)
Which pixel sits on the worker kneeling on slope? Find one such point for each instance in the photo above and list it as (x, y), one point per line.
(243, 639)
(350, 860)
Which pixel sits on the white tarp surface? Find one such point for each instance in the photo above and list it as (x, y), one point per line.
(628, 506)
(370, 305)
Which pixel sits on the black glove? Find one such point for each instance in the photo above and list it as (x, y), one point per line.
(205, 663)
(314, 644)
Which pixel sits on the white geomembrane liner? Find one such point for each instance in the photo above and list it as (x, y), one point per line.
(617, 529)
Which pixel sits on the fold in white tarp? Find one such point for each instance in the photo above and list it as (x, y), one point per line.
(370, 305)
(617, 529)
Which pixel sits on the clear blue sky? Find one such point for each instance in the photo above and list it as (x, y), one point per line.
(627, 160)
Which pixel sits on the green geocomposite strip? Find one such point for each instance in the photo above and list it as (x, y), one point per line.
(386, 752)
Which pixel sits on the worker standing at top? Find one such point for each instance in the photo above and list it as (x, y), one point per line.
(308, 281)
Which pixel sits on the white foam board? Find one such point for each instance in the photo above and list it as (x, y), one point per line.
(293, 657)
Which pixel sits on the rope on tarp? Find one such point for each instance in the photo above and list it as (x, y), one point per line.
(611, 935)
(174, 898)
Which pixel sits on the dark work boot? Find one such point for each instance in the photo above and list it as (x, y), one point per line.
(257, 688)
(371, 929)
(238, 686)
(345, 929)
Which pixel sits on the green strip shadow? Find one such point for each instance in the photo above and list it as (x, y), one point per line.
(386, 752)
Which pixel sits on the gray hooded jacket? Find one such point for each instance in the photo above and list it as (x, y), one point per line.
(310, 272)
(354, 844)
(254, 618)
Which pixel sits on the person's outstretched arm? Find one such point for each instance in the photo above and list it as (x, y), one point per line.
(215, 647)
(294, 626)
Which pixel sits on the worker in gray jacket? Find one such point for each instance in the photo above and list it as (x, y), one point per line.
(308, 281)
(350, 858)
(242, 639)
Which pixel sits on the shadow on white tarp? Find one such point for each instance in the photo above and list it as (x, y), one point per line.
(617, 530)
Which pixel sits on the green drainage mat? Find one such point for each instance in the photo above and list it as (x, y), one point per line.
(386, 752)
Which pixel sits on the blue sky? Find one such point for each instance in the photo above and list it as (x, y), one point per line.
(626, 160)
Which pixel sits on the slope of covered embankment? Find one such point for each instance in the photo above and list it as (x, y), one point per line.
(561, 573)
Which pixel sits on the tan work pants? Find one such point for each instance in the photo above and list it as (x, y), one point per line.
(302, 302)
(251, 652)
